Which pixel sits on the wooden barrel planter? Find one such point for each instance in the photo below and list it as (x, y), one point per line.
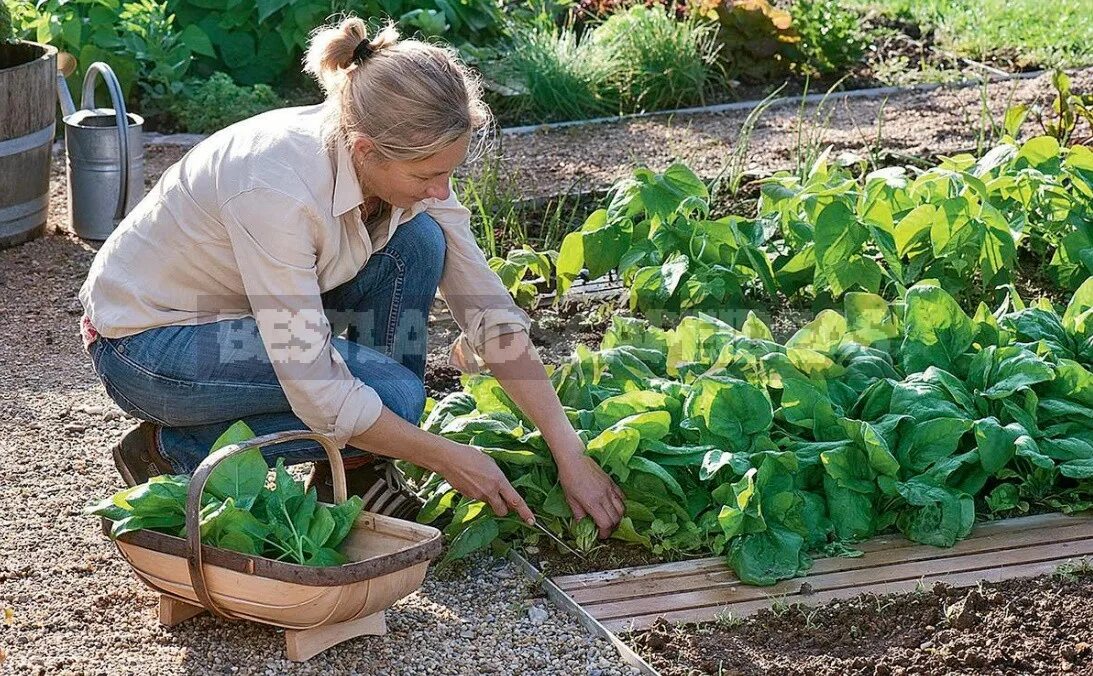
(27, 119)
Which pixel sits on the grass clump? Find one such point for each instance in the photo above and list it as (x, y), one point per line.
(638, 59)
(660, 62)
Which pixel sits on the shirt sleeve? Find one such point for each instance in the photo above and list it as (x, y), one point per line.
(477, 299)
(273, 240)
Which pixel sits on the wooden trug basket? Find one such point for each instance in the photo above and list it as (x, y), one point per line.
(318, 607)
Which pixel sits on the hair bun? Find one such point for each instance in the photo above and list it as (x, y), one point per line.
(363, 51)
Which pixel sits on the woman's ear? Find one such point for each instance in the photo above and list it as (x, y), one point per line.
(363, 147)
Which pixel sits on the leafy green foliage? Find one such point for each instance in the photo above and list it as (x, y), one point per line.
(830, 36)
(515, 268)
(262, 42)
(960, 223)
(140, 39)
(218, 102)
(673, 256)
(238, 512)
(1067, 112)
(908, 416)
(831, 232)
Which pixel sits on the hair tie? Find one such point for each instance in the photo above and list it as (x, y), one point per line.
(363, 51)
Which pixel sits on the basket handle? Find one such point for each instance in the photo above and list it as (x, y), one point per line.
(201, 477)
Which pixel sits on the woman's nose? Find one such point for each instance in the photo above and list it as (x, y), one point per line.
(439, 191)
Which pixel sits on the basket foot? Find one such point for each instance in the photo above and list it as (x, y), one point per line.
(303, 644)
(172, 611)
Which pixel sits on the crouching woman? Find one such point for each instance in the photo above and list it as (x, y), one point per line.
(282, 272)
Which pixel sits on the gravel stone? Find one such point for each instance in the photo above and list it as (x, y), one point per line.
(537, 615)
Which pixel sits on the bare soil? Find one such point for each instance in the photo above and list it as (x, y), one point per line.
(1030, 626)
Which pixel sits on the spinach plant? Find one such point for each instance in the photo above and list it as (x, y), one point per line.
(238, 511)
(907, 415)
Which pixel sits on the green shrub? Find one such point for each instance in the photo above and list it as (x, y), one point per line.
(830, 38)
(7, 31)
(138, 39)
(662, 62)
(262, 42)
(219, 102)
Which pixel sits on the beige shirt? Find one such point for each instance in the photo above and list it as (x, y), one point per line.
(258, 220)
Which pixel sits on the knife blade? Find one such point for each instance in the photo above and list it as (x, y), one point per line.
(557, 540)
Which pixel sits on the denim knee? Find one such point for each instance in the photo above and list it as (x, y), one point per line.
(427, 242)
(405, 397)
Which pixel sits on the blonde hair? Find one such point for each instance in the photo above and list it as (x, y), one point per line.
(411, 98)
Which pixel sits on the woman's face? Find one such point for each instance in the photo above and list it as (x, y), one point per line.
(402, 183)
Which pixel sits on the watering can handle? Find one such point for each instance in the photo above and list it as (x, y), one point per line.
(201, 477)
(88, 101)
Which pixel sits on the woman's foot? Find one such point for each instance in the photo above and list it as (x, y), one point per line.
(380, 485)
(137, 456)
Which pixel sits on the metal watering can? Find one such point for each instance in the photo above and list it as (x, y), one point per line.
(105, 151)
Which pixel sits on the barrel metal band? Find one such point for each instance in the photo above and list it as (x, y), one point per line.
(14, 211)
(21, 144)
(19, 218)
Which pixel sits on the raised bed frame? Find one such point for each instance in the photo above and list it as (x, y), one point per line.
(704, 590)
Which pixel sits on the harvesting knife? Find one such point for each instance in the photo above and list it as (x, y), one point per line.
(557, 540)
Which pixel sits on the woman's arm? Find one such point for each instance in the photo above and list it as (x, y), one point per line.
(468, 470)
(495, 329)
(589, 490)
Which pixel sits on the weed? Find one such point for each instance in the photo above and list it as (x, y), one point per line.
(1071, 570)
(726, 619)
(732, 175)
(811, 134)
(779, 606)
(809, 616)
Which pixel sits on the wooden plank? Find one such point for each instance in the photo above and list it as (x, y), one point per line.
(717, 564)
(964, 579)
(724, 577)
(839, 581)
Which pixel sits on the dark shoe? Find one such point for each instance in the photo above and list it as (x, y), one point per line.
(137, 457)
(380, 485)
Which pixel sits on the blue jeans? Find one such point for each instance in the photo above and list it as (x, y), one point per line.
(176, 376)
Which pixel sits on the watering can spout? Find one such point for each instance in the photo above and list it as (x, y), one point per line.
(66, 64)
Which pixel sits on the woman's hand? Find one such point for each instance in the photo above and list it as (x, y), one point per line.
(590, 491)
(477, 476)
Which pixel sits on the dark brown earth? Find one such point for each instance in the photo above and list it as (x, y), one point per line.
(1032, 626)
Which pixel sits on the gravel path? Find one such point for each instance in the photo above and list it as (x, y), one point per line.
(76, 609)
(944, 120)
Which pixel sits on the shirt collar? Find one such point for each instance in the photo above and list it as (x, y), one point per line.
(347, 189)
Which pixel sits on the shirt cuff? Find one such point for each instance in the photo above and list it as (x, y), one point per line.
(466, 353)
(359, 412)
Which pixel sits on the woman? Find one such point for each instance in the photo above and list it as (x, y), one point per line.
(223, 295)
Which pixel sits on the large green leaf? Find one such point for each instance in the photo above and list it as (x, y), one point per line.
(241, 476)
(937, 331)
(730, 408)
